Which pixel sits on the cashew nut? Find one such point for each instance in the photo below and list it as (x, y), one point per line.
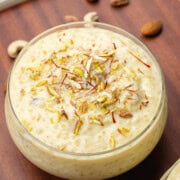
(15, 47)
(91, 17)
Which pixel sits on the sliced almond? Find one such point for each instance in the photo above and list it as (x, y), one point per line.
(52, 92)
(125, 114)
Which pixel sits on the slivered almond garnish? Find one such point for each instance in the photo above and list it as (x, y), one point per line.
(125, 114)
(77, 127)
(116, 92)
(41, 83)
(107, 54)
(109, 102)
(112, 142)
(52, 92)
(96, 119)
(50, 109)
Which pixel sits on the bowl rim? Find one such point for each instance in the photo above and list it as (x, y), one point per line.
(82, 24)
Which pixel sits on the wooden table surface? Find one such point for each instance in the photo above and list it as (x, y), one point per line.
(30, 18)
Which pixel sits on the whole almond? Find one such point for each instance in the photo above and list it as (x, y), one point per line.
(92, 1)
(116, 3)
(151, 28)
(70, 18)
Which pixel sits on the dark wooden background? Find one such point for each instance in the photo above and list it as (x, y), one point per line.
(30, 18)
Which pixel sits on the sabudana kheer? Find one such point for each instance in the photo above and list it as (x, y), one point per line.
(85, 90)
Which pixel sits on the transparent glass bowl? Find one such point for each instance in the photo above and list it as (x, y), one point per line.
(87, 165)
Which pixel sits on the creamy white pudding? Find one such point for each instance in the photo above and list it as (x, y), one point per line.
(86, 90)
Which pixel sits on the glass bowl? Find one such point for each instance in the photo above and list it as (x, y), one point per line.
(99, 165)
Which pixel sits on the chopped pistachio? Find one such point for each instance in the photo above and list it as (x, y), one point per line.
(71, 93)
(49, 62)
(115, 66)
(33, 91)
(99, 68)
(51, 120)
(101, 86)
(123, 130)
(103, 110)
(61, 60)
(78, 125)
(38, 69)
(59, 116)
(27, 125)
(109, 102)
(36, 72)
(50, 109)
(82, 107)
(92, 105)
(51, 99)
(34, 77)
(71, 41)
(130, 71)
(102, 99)
(64, 48)
(79, 71)
(112, 142)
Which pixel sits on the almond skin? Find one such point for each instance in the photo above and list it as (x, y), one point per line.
(151, 28)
